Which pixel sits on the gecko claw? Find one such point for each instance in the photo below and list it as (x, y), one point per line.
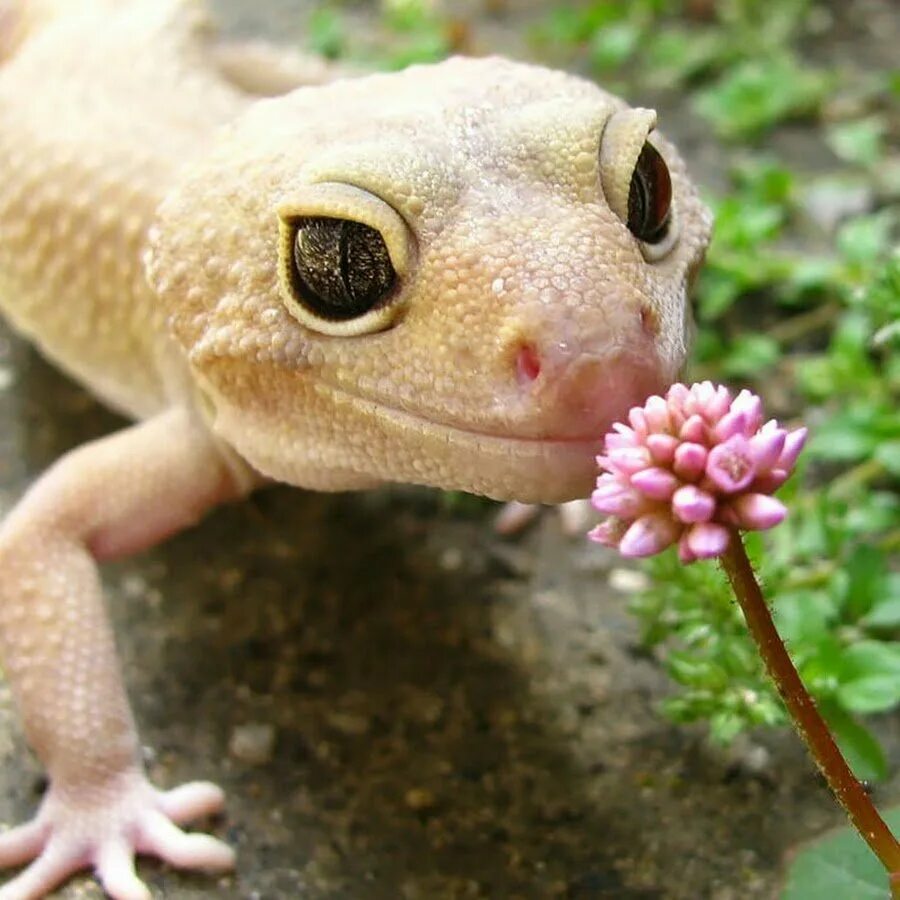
(104, 829)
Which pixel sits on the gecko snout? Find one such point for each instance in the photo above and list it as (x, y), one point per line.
(575, 385)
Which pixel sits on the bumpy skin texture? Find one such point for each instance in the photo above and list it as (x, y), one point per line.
(146, 215)
(494, 168)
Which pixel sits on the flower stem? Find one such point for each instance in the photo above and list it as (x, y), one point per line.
(807, 721)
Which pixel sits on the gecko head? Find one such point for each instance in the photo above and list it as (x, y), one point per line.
(458, 275)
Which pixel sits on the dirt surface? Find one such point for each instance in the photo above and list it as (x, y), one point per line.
(401, 704)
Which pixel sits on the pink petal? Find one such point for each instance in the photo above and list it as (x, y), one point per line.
(701, 394)
(662, 447)
(628, 460)
(614, 441)
(685, 554)
(609, 532)
(690, 461)
(650, 534)
(677, 395)
(658, 484)
(750, 405)
(656, 411)
(638, 421)
(614, 499)
(718, 405)
(693, 430)
(730, 465)
(708, 539)
(758, 511)
(621, 436)
(767, 446)
(732, 423)
(793, 444)
(691, 504)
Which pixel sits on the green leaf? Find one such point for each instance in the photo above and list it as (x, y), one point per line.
(676, 55)
(876, 693)
(803, 616)
(838, 866)
(571, 26)
(869, 672)
(886, 612)
(888, 454)
(861, 748)
(859, 142)
(724, 727)
(697, 672)
(759, 93)
(613, 46)
(750, 355)
(865, 239)
(325, 32)
(866, 569)
(841, 441)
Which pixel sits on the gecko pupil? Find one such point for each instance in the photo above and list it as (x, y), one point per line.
(342, 268)
(649, 197)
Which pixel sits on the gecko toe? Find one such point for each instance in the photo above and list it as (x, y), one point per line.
(73, 831)
(575, 517)
(115, 869)
(514, 517)
(53, 866)
(159, 836)
(21, 844)
(192, 801)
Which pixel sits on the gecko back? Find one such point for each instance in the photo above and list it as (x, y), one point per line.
(89, 142)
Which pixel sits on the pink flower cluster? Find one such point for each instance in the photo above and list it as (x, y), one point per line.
(690, 468)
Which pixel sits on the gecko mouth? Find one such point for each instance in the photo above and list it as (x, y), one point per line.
(407, 421)
(500, 466)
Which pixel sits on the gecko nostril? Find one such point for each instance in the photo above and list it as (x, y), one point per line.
(649, 321)
(528, 364)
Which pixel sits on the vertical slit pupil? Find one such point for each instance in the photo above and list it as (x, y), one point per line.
(649, 197)
(341, 268)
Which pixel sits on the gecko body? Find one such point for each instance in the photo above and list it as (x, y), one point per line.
(457, 275)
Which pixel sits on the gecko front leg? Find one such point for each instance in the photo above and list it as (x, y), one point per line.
(108, 498)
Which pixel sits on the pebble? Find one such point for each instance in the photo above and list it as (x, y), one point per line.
(252, 743)
(349, 723)
(420, 799)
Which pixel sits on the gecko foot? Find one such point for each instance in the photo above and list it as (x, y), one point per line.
(103, 829)
(574, 516)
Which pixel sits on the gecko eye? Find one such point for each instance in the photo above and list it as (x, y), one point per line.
(343, 257)
(341, 269)
(649, 197)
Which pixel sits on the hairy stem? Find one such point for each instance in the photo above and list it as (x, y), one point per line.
(807, 721)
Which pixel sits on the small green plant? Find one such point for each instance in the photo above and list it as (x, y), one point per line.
(757, 93)
(754, 79)
(326, 33)
(694, 471)
(836, 599)
(406, 32)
